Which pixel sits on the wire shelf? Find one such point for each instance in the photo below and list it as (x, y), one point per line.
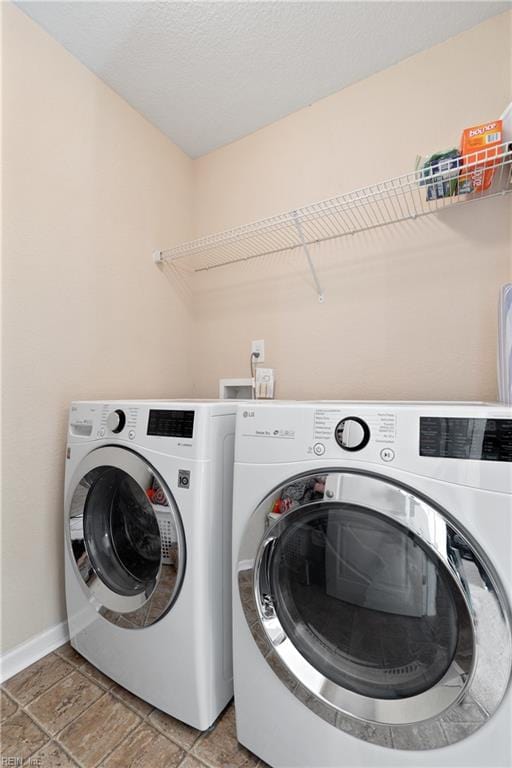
(394, 200)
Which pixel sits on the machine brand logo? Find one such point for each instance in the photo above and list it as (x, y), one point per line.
(248, 414)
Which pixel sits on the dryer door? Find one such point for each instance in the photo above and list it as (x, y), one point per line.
(126, 537)
(375, 608)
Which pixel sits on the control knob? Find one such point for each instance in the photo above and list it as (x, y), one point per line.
(116, 421)
(352, 433)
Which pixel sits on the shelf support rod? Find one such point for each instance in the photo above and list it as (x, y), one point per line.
(298, 226)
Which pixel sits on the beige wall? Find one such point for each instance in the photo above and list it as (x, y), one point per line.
(90, 189)
(410, 311)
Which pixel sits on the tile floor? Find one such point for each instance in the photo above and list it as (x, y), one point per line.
(63, 712)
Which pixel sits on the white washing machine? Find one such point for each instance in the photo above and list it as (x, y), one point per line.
(373, 583)
(148, 549)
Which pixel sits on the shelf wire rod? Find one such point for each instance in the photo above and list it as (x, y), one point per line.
(386, 199)
(342, 223)
(243, 249)
(307, 220)
(324, 226)
(395, 204)
(253, 245)
(272, 241)
(220, 251)
(350, 215)
(383, 203)
(362, 208)
(372, 214)
(376, 210)
(410, 196)
(376, 206)
(367, 202)
(332, 219)
(336, 224)
(406, 202)
(318, 222)
(360, 212)
(413, 200)
(287, 247)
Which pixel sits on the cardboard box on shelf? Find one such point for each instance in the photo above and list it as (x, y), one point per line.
(479, 143)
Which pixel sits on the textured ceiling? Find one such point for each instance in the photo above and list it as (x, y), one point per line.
(208, 73)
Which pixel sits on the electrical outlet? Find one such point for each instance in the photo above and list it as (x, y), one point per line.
(259, 346)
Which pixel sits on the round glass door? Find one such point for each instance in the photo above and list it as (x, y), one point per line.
(375, 608)
(126, 538)
(363, 600)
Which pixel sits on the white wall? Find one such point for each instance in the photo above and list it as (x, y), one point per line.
(90, 189)
(410, 311)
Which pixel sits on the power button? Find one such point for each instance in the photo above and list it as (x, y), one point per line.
(319, 449)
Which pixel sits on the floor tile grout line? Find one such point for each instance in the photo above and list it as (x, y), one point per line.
(54, 736)
(12, 696)
(80, 668)
(187, 755)
(118, 744)
(43, 731)
(145, 718)
(130, 733)
(54, 685)
(77, 666)
(66, 752)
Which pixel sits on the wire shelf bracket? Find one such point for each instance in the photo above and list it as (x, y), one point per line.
(321, 296)
(485, 173)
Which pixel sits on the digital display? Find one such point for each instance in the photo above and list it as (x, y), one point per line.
(171, 423)
(457, 438)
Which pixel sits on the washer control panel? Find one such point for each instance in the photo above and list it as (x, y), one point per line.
(336, 433)
(144, 423)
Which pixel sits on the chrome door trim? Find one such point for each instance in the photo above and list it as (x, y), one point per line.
(128, 611)
(464, 681)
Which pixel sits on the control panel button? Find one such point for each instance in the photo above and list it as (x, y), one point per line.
(131, 434)
(352, 433)
(101, 432)
(116, 421)
(319, 449)
(387, 454)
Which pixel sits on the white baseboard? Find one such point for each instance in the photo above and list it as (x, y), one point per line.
(32, 650)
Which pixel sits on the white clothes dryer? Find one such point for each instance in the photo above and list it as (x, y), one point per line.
(373, 584)
(148, 490)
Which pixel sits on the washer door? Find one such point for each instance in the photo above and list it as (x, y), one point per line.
(374, 606)
(126, 537)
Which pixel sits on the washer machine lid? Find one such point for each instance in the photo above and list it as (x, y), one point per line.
(126, 537)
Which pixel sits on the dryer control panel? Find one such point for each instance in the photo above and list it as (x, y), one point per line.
(459, 438)
(470, 444)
